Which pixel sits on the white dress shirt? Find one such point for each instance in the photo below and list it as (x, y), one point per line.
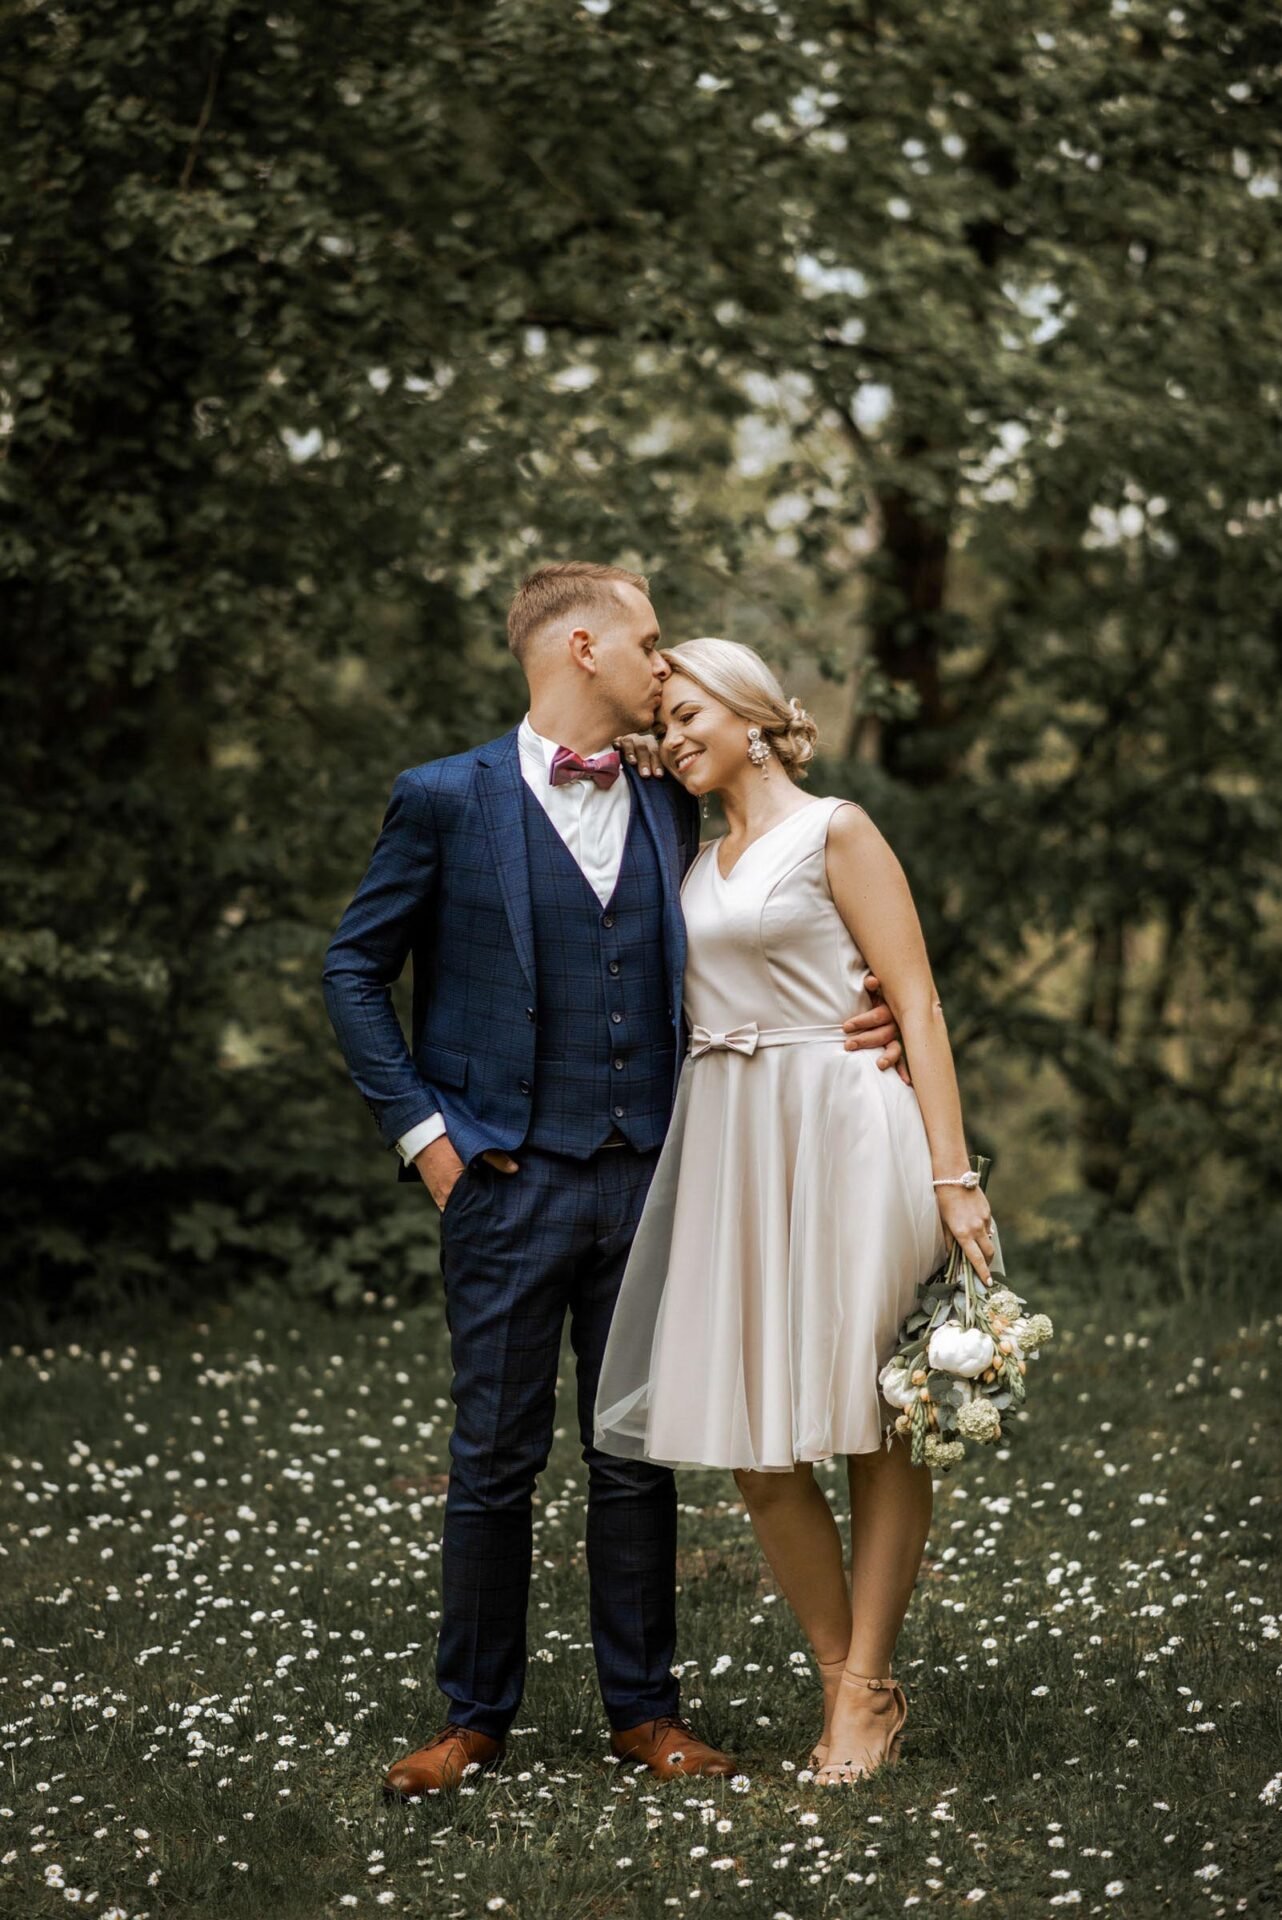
(592, 821)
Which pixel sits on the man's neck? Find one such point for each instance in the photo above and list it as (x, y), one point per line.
(583, 733)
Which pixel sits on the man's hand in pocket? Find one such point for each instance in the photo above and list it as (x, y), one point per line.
(439, 1167)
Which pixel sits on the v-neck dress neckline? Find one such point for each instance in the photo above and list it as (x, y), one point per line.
(726, 878)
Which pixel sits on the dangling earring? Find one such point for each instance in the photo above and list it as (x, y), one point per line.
(704, 808)
(758, 751)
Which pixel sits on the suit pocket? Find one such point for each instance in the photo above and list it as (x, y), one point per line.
(455, 1190)
(442, 1066)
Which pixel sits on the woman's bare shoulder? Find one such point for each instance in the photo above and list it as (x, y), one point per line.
(848, 821)
(854, 838)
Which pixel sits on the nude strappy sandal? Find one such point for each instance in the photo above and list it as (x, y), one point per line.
(819, 1752)
(846, 1772)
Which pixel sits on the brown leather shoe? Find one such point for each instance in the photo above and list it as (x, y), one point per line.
(442, 1762)
(669, 1746)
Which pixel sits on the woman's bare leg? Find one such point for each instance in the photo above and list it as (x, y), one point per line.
(799, 1538)
(890, 1509)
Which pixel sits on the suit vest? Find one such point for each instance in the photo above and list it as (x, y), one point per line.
(604, 1043)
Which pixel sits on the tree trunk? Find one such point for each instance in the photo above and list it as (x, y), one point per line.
(1103, 1120)
(909, 581)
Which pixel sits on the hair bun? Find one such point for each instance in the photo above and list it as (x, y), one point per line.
(795, 741)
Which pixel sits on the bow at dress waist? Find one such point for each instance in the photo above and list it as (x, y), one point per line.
(748, 1037)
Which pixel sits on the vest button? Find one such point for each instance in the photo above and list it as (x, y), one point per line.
(617, 1018)
(618, 1066)
(618, 1113)
(607, 920)
(529, 1013)
(524, 1085)
(614, 966)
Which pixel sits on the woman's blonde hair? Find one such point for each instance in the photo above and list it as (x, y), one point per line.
(741, 680)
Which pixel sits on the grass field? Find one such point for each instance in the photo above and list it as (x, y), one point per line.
(218, 1589)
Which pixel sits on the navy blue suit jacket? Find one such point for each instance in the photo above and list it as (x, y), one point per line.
(448, 884)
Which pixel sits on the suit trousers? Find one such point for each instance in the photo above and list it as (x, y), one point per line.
(519, 1251)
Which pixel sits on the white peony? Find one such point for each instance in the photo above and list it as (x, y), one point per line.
(961, 1350)
(896, 1385)
(979, 1420)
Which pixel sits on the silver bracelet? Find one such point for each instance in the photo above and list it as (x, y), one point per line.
(969, 1179)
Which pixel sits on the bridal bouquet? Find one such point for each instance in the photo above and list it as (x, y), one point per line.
(963, 1354)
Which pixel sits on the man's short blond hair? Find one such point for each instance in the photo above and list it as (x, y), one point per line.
(549, 593)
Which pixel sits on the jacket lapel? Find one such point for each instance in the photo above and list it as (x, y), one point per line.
(500, 791)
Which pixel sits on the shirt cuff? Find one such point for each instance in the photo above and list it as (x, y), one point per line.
(412, 1143)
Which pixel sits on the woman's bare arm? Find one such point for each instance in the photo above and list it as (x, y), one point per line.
(873, 897)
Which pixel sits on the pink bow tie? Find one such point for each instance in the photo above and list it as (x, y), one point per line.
(603, 768)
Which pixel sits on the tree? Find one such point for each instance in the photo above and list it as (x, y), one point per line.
(323, 324)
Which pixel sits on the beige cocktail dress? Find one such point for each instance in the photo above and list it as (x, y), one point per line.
(791, 1218)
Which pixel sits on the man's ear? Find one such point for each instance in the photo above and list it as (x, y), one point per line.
(583, 649)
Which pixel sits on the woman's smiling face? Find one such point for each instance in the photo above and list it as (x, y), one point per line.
(703, 742)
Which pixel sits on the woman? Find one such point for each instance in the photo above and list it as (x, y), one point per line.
(801, 1196)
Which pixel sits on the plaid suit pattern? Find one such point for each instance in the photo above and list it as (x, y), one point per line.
(449, 882)
(605, 1034)
(519, 1250)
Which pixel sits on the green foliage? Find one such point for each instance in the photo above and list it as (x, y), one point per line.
(954, 331)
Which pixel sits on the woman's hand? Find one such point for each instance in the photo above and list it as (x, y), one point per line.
(641, 750)
(967, 1219)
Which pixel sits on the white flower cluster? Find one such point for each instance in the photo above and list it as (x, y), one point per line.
(963, 1354)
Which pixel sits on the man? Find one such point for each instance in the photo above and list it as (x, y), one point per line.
(535, 881)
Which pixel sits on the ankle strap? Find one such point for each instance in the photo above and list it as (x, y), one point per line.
(875, 1682)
